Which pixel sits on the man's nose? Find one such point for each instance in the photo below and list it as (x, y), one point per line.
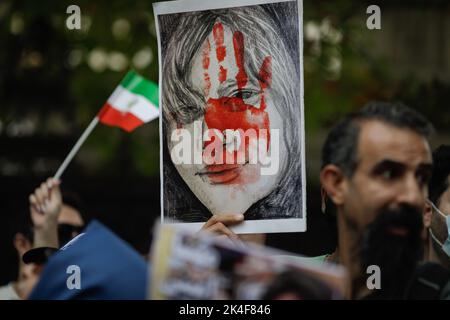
(412, 193)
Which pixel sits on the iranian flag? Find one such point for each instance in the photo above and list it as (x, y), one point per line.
(133, 103)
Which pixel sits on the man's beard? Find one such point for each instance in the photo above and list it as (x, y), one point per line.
(393, 242)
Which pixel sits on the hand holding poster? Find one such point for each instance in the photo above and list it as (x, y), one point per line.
(232, 104)
(197, 266)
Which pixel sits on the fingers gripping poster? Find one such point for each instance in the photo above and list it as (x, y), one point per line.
(232, 125)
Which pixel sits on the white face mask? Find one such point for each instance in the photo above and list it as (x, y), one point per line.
(446, 245)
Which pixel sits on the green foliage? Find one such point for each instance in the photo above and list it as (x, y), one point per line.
(55, 80)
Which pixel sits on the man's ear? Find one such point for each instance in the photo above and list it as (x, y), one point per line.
(333, 181)
(21, 243)
(427, 215)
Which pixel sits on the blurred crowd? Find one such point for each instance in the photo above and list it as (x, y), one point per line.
(389, 190)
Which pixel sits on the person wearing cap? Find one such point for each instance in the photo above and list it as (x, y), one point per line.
(437, 211)
(33, 262)
(109, 269)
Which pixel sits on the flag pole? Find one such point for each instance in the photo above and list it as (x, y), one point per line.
(75, 148)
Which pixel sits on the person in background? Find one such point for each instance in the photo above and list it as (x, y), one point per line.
(54, 220)
(51, 217)
(437, 210)
(376, 164)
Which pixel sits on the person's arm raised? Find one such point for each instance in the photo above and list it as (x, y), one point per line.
(45, 207)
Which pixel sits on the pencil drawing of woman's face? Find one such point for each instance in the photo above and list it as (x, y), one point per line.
(236, 98)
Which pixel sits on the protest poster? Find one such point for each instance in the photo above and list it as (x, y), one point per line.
(232, 124)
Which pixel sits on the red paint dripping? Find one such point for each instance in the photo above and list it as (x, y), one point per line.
(206, 51)
(205, 61)
(265, 79)
(250, 175)
(265, 73)
(238, 44)
(222, 74)
(218, 38)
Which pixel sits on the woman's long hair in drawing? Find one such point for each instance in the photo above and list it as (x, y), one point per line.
(269, 30)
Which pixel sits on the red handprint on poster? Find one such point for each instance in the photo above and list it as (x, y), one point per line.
(231, 93)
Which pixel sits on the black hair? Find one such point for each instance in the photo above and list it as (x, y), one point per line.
(341, 144)
(439, 181)
(73, 199)
(21, 223)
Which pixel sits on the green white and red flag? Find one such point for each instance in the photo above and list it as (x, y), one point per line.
(133, 103)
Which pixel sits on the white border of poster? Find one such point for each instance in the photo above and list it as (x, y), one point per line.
(248, 226)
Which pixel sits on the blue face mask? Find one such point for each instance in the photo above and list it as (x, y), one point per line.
(446, 245)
